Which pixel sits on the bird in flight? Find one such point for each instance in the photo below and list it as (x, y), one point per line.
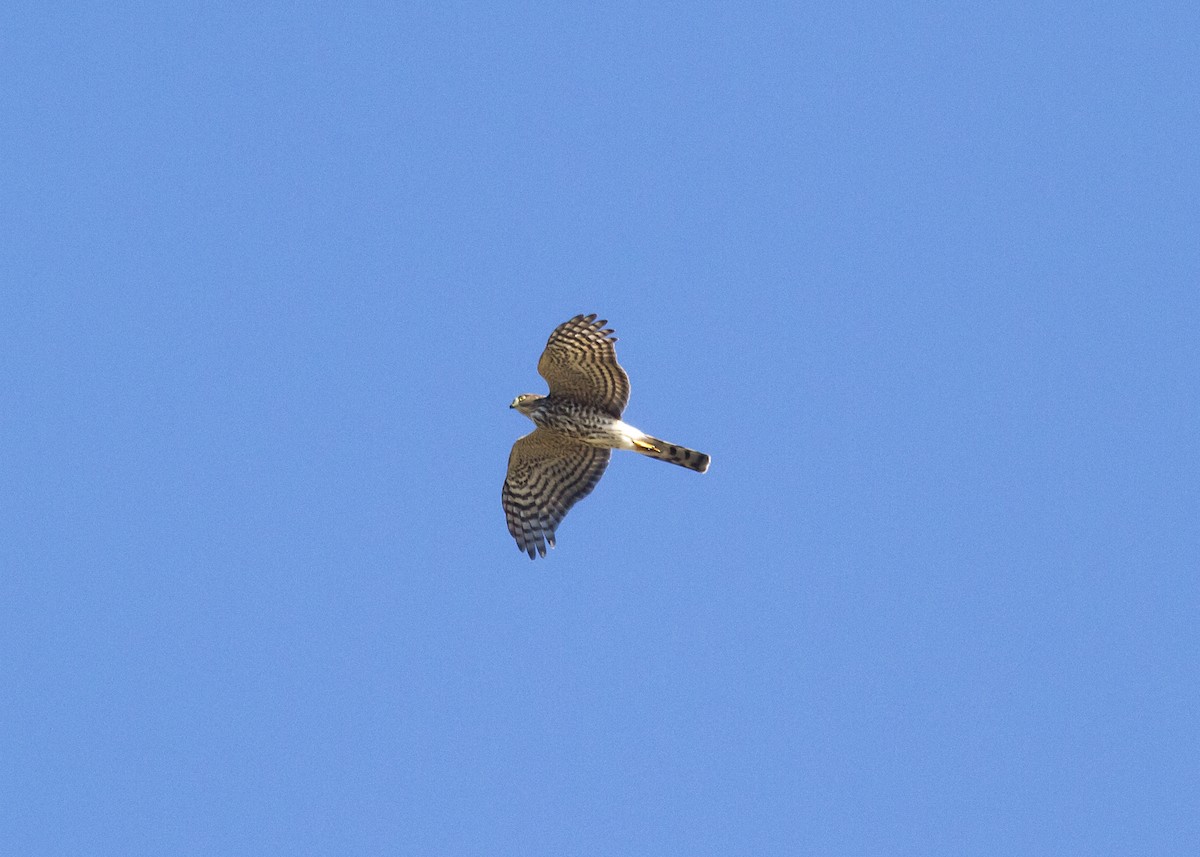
(578, 425)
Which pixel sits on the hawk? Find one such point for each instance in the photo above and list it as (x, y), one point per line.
(578, 425)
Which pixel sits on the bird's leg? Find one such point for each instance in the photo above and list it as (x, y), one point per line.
(648, 447)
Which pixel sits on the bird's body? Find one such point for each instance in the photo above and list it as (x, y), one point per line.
(578, 423)
(585, 423)
(596, 427)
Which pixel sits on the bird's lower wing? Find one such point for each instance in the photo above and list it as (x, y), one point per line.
(548, 473)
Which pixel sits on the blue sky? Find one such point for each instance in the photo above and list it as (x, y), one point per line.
(922, 279)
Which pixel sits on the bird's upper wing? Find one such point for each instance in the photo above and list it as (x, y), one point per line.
(580, 361)
(547, 474)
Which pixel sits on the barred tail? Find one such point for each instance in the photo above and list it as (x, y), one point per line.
(681, 455)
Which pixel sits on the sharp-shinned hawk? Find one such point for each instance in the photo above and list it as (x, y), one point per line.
(578, 424)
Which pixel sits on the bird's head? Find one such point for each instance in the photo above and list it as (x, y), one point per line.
(526, 402)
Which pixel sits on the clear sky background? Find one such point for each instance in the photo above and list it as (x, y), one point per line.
(922, 278)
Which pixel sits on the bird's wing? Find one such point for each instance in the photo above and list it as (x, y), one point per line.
(548, 473)
(580, 362)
